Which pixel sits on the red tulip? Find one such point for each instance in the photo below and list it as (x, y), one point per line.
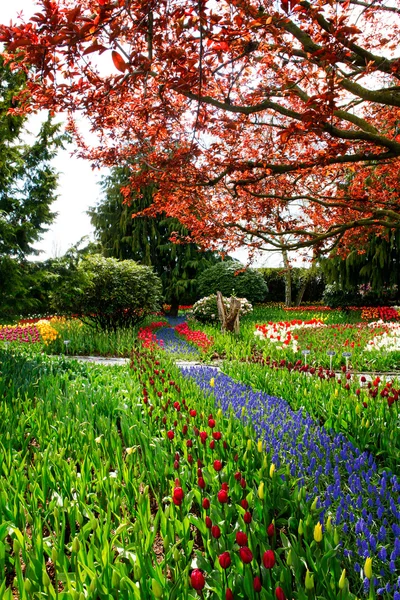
(192, 413)
(257, 584)
(178, 496)
(241, 538)
(217, 465)
(197, 580)
(280, 594)
(215, 532)
(202, 483)
(247, 518)
(222, 496)
(269, 559)
(271, 529)
(208, 523)
(245, 554)
(170, 435)
(229, 594)
(225, 560)
(206, 503)
(211, 423)
(244, 504)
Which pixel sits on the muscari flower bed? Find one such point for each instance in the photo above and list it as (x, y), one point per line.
(363, 500)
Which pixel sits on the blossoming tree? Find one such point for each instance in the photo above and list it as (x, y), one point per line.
(251, 117)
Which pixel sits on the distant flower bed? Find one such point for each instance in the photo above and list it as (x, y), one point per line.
(198, 338)
(27, 333)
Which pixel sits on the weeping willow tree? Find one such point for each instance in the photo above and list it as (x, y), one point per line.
(376, 265)
(147, 239)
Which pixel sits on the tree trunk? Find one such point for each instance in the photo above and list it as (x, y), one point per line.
(229, 320)
(173, 311)
(302, 289)
(288, 279)
(306, 281)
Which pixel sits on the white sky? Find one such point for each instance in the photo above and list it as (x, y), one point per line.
(78, 183)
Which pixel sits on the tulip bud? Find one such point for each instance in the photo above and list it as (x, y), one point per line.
(75, 545)
(16, 546)
(261, 490)
(289, 558)
(54, 555)
(342, 580)
(309, 582)
(115, 580)
(137, 571)
(27, 585)
(272, 469)
(156, 588)
(260, 446)
(314, 504)
(212, 382)
(166, 542)
(46, 579)
(243, 411)
(318, 532)
(328, 524)
(301, 527)
(219, 413)
(336, 538)
(249, 444)
(368, 568)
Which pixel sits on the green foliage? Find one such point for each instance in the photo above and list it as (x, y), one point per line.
(275, 280)
(376, 265)
(222, 277)
(28, 184)
(146, 239)
(108, 293)
(337, 297)
(206, 310)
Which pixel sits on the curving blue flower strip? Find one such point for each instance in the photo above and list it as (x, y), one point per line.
(173, 343)
(365, 502)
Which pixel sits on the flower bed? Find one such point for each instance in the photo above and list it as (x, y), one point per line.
(200, 339)
(346, 480)
(162, 497)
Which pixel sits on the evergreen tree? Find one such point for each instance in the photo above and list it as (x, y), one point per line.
(28, 184)
(376, 266)
(146, 239)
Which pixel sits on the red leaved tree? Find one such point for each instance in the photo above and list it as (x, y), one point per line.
(258, 122)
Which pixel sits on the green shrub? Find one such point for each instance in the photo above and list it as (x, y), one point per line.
(274, 277)
(206, 310)
(109, 293)
(336, 297)
(222, 277)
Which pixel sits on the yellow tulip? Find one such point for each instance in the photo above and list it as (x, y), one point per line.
(272, 469)
(261, 490)
(368, 568)
(212, 382)
(318, 532)
(260, 446)
(342, 580)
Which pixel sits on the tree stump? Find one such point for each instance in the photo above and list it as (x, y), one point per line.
(229, 319)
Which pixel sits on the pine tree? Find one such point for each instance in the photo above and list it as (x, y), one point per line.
(147, 240)
(28, 186)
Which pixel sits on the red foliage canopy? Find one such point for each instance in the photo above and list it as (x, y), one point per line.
(262, 122)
